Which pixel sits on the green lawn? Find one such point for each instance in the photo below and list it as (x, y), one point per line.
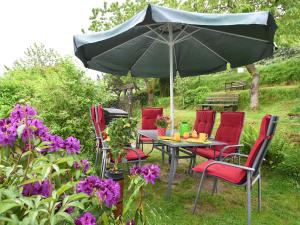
(280, 194)
(281, 200)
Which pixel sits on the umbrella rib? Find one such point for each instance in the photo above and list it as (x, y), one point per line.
(155, 39)
(182, 30)
(143, 34)
(187, 35)
(159, 35)
(195, 39)
(142, 55)
(231, 34)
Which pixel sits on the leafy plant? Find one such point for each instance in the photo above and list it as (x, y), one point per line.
(162, 121)
(120, 132)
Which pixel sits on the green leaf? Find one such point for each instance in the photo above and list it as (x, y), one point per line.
(7, 205)
(56, 168)
(30, 181)
(78, 196)
(65, 216)
(64, 188)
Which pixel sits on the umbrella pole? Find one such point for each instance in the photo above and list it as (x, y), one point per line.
(171, 77)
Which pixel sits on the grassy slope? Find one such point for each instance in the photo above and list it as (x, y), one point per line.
(281, 197)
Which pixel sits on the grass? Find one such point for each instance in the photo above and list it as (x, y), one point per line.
(280, 203)
(280, 193)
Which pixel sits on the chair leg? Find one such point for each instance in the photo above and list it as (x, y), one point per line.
(249, 196)
(163, 154)
(259, 192)
(215, 187)
(198, 193)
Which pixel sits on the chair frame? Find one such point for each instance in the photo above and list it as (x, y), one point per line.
(253, 173)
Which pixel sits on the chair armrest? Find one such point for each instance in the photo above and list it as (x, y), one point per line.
(235, 154)
(229, 164)
(228, 146)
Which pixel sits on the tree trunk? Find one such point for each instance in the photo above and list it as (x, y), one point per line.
(254, 90)
(164, 87)
(150, 90)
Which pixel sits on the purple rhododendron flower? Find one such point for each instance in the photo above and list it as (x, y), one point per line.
(150, 173)
(85, 165)
(76, 165)
(87, 185)
(109, 192)
(41, 129)
(86, 219)
(131, 222)
(135, 170)
(56, 143)
(30, 111)
(8, 132)
(72, 145)
(69, 210)
(43, 188)
(27, 133)
(19, 112)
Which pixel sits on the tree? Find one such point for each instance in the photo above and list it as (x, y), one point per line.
(37, 56)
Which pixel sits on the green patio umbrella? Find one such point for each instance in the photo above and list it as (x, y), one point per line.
(159, 42)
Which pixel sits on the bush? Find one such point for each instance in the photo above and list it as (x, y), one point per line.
(291, 163)
(62, 95)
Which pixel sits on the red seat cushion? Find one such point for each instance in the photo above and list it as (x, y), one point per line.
(149, 116)
(145, 139)
(228, 173)
(208, 153)
(204, 121)
(131, 155)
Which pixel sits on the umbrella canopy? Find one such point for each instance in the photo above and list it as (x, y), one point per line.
(158, 42)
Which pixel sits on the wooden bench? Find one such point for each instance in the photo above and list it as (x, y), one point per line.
(225, 101)
(235, 85)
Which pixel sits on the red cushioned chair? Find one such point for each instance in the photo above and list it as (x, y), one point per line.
(132, 155)
(204, 122)
(229, 131)
(149, 116)
(245, 175)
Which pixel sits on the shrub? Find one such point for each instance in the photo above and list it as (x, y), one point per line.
(291, 163)
(62, 95)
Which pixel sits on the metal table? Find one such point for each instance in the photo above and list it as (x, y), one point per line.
(174, 149)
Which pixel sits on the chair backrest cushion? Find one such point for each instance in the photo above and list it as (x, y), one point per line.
(261, 138)
(204, 121)
(149, 116)
(230, 129)
(98, 119)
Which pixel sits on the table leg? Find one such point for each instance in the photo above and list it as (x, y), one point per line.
(172, 172)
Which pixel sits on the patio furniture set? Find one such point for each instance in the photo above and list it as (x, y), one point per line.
(218, 151)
